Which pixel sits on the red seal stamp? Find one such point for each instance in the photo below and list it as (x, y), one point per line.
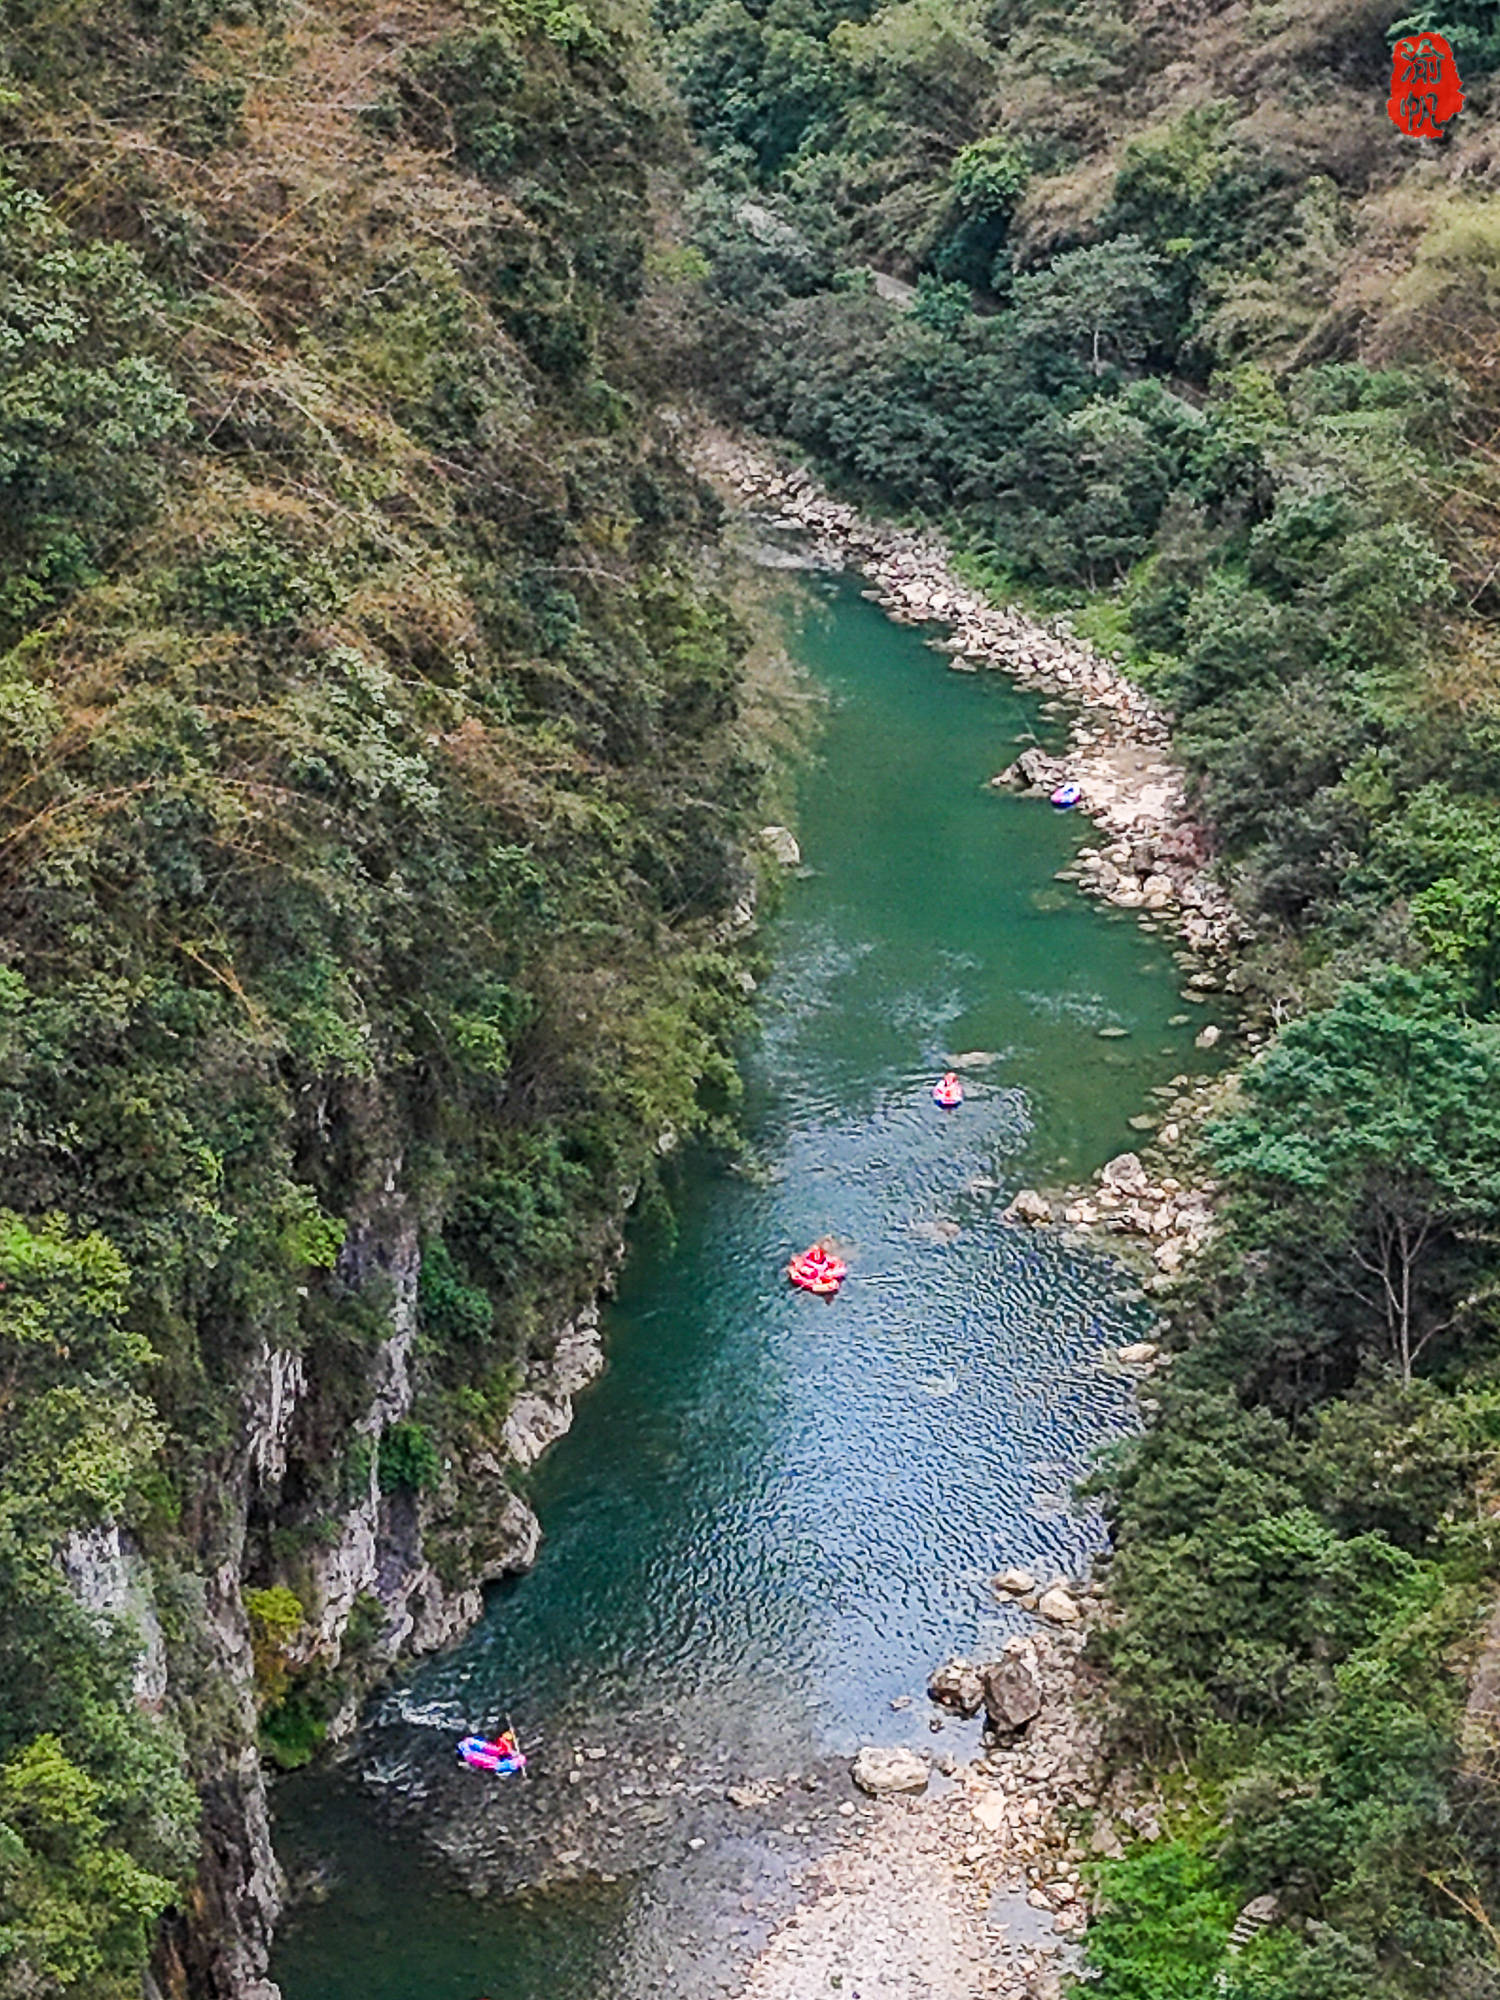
(1425, 87)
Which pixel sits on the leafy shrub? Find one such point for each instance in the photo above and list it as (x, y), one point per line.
(450, 1309)
(1162, 1929)
(276, 1616)
(409, 1461)
(86, 405)
(294, 1729)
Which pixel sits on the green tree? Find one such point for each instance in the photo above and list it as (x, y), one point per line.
(75, 1428)
(1378, 1122)
(1097, 299)
(76, 1907)
(1443, 853)
(985, 183)
(84, 403)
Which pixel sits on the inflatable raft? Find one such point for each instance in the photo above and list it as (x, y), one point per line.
(500, 1755)
(948, 1092)
(818, 1272)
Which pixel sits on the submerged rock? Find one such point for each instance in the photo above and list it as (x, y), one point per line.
(876, 1770)
(1028, 1206)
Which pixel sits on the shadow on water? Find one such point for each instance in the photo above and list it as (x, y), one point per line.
(773, 1515)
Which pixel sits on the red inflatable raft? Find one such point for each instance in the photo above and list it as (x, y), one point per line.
(817, 1271)
(948, 1092)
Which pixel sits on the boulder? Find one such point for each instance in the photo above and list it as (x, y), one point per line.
(1207, 1037)
(781, 843)
(1058, 1606)
(1125, 1174)
(1012, 1694)
(1137, 1354)
(877, 1769)
(957, 1685)
(1028, 1206)
(1013, 1583)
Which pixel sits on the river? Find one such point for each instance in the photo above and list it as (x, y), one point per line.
(774, 1515)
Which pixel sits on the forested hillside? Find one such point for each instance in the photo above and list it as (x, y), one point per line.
(1185, 337)
(372, 807)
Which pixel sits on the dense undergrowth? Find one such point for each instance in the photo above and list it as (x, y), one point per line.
(1196, 345)
(373, 792)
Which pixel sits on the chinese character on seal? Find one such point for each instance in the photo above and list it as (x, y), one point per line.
(1425, 87)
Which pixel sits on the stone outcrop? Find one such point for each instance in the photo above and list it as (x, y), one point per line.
(544, 1409)
(111, 1578)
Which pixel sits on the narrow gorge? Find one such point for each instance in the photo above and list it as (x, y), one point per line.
(554, 555)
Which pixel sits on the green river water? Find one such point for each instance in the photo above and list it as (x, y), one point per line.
(774, 1515)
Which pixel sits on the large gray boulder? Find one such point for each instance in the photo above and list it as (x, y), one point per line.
(1012, 1694)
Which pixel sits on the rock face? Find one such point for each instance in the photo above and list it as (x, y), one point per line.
(876, 1770)
(382, 1551)
(781, 843)
(544, 1410)
(1012, 1693)
(110, 1577)
(957, 1685)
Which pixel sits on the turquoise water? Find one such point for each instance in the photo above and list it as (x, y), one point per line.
(775, 1514)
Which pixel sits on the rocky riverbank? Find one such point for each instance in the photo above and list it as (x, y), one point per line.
(1117, 754)
(967, 1875)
